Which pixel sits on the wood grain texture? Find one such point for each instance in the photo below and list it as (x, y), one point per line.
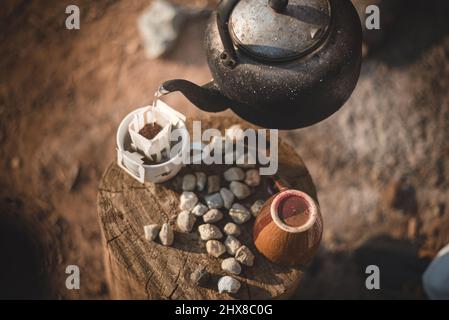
(138, 269)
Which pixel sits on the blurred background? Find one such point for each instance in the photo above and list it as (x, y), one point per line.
(381, 164)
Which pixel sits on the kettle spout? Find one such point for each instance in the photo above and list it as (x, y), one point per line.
(207, 98)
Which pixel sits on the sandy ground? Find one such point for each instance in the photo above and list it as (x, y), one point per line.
(380, 164)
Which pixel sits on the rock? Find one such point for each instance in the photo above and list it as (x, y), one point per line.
(185, 221)
(228, 197)
(188, 201)
(209, 232)
(189, 182)
(200, 277)
(159, 26)
(252, 178)
(151, 231)
(232, 245)
(214, 201)
(245, 256)
(212, 216)
(231, 229)
(213, 184)
(199, 210)
(239, 213)
(234, 174)
(256, 207)
(228, 284)
(215, 248)
(200, 180)
(231, 265)
(240, 190)
(166, 235)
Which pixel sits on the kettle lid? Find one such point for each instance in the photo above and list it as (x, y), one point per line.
(280, 30)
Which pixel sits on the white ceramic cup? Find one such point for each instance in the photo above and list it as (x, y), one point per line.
(132, 163)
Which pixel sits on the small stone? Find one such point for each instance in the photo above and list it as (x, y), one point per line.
(252, 178)
(245, 256)
(188, 201)
(185, 221)
(215, 248)
(228, 284)
(151, 231)
(240, 190)
(228, 197)
(213, 184)
(231, 229)
(232, 245)
(256, 207)
(166, 235)
(189, 182)
(160, 26)
(234, 174)
(200, 180)
(200, 277)
(239, 213)
(212, 216)
(199, 210)
(231, 265)
(209, 232)
(214, 201)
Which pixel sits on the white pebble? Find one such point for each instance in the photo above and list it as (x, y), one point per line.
(189, 182)
(240, 190)
(245, 256)
(228, 197)
(200, 180)
(199, 210)
(232, 245)
(214, 201)
(215, 248)
(212, 216)
(209, 232)
(239, 213)
(231, 265)
(228, 284)
(231, 229)
(166, 235)
(151, 231)
(188, 201)
(256, 207)
(213, 184)
(234, 174)
(185, 221)
(252, 178)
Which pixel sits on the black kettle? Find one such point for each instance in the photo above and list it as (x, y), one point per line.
(280, 64)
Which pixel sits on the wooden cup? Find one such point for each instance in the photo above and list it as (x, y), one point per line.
(289, 227)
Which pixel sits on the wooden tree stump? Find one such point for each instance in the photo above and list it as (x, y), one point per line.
(138, 269)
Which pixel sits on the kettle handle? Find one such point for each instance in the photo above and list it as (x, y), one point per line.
(224, 11)
(228, 56)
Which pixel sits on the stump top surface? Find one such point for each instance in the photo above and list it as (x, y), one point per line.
(125, 206)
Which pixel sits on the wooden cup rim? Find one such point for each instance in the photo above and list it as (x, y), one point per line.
(312, 207)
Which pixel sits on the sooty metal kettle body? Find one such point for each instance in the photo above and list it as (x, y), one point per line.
(283, 64)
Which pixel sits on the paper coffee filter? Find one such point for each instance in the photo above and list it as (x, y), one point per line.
(165, 117)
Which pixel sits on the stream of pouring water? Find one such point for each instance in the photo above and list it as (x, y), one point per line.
(157, 95)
